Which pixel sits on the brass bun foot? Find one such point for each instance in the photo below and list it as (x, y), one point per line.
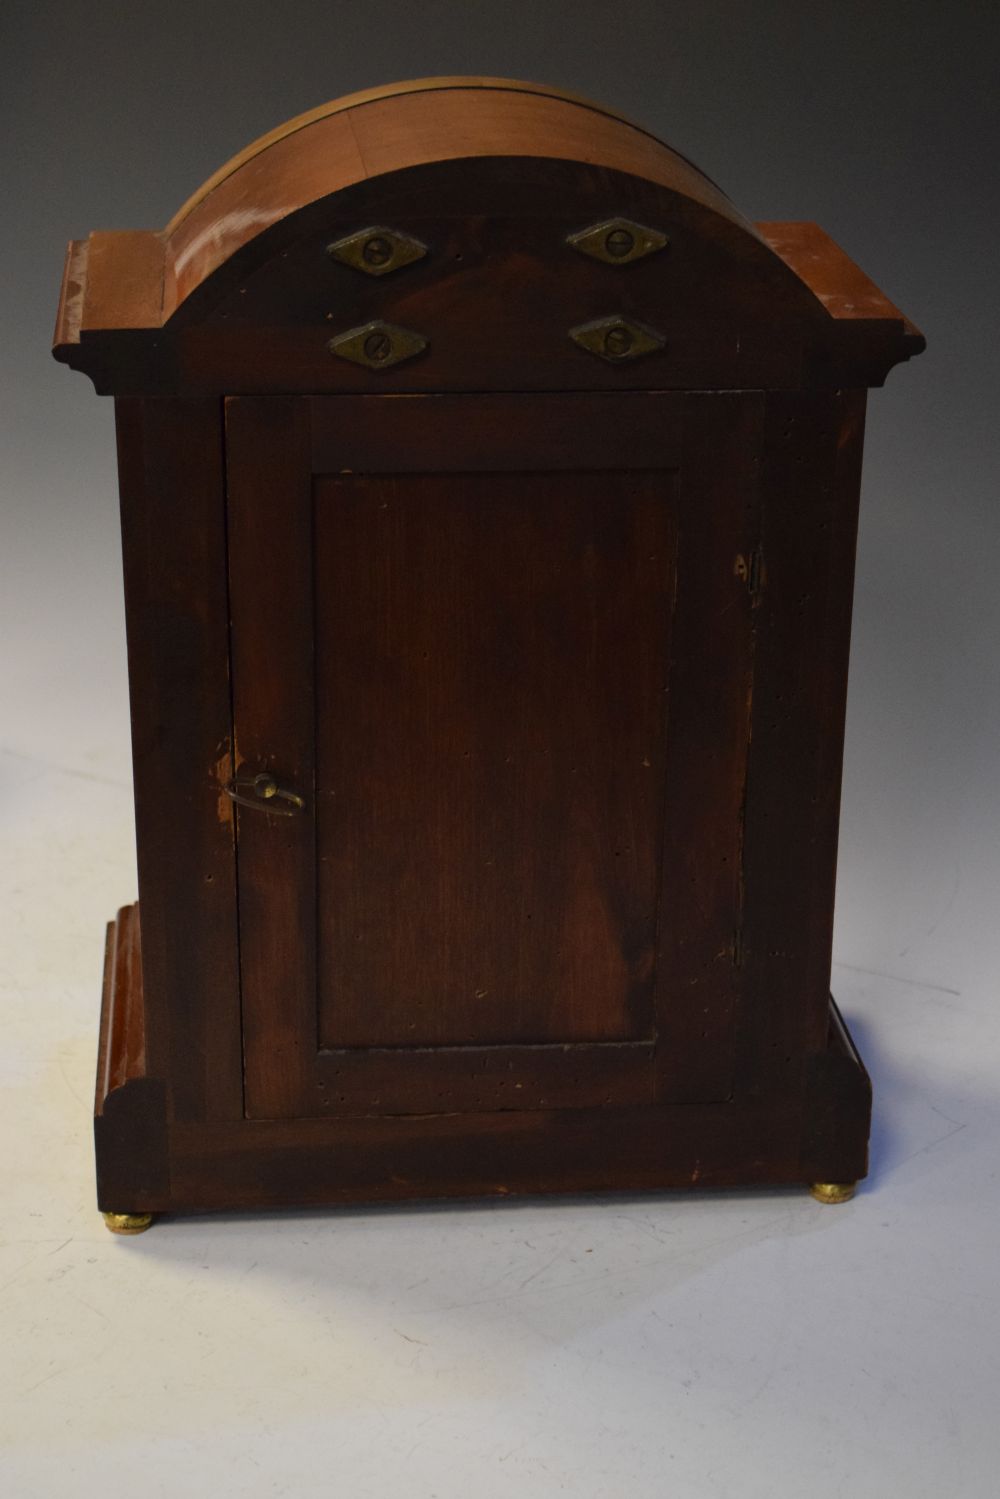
(833, 1191)
(127, 1223)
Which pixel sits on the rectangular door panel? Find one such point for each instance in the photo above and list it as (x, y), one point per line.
(491, 668)
(512, 686)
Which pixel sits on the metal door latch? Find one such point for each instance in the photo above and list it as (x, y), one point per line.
(263, 793)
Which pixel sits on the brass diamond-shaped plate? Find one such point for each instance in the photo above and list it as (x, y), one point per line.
(377, 345)
(618, 241)
(377, 250)
(617, 339)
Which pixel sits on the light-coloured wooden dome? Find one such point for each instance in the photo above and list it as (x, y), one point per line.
(493, 177)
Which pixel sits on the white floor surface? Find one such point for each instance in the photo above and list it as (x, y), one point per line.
(735, 1345)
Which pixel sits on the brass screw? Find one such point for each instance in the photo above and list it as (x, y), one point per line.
(617, 341)
(619, 243)
(378, 347)
(377, 250)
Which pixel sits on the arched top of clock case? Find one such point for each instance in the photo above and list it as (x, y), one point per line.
(483, 192)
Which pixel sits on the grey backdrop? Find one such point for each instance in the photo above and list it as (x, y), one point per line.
(876, 120)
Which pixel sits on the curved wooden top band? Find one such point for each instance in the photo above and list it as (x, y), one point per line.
(387, 91)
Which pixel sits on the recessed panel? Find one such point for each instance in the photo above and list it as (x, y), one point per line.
(491, 671)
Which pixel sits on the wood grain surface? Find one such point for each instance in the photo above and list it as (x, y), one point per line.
(552, 646)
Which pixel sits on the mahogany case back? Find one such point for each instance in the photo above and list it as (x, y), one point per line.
(489, 501)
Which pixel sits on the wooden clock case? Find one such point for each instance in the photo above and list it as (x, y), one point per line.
(489, 498)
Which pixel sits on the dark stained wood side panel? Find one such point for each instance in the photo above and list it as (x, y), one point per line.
(490, 673)
(174, 548)
(270, 543)
(810, 489)
(708, 739)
